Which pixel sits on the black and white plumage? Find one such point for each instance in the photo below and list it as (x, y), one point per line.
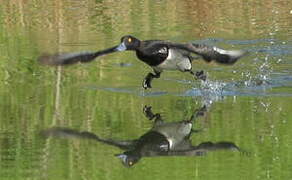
(163, 139)
(160, 55)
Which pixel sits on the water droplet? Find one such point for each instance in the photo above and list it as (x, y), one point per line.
(276, 139)
(234, 99)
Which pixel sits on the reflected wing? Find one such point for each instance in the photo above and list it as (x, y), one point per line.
(210, 53)
(201, 149)
(71, 133)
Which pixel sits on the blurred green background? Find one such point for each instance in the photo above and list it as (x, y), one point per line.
(249, 103)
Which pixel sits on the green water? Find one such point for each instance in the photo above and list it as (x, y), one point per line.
(249, 103)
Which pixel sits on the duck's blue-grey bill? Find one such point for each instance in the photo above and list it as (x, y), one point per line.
(123, 157)
(121, 47)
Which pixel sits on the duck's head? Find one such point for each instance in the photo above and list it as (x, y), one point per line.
(128, 43)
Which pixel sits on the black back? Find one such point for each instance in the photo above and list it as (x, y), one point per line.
(152, 52)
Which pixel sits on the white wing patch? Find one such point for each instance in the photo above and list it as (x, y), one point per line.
(170, 141)
(163, 50)
(233, 53)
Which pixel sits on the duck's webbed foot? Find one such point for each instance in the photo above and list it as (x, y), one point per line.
(148, 79)
(150, 115)
(199, 75)
(198, 112)
(147, 110)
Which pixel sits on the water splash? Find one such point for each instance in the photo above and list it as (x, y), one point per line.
(262, 76)
(210, 91)
(215, 88)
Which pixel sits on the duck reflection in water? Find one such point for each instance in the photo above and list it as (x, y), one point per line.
(164, 139)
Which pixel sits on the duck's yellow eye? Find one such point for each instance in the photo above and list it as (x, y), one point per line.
(129, 40)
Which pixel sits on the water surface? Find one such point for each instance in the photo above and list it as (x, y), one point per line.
(248, 103)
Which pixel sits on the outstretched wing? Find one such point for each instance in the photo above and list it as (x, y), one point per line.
(210, 53)
(63, 59)
(71, 133)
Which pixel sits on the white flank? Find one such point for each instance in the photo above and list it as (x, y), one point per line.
(175, 61)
